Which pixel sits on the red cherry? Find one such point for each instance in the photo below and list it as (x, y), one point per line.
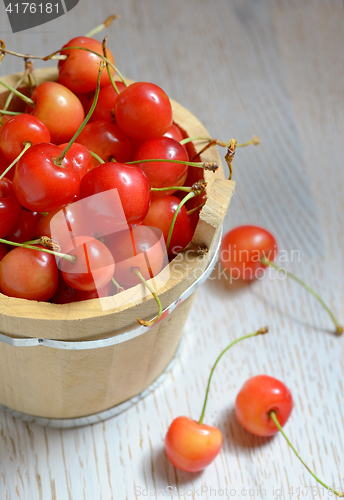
(41, 185)
(79, 72)
(106, 140)
(191, 446)
(139, 247)
(143, 111)
(258, 397)
(94, 266)
(10, 208)
(243, 248)
(131, 182)
(175, 133)
(59, 109)
(28, 274)
(64, 294)
(106, 102)
(160, 215)
(20, 129)
(80, 156)
(104, 291)
(162, 174)
(26, 229)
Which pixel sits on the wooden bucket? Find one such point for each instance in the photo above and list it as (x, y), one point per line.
(73, 364)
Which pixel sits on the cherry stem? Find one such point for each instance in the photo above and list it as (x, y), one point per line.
(261, 331)
(70, 258)
(28, 56)
(267, 262)
(193, 210)
(175, 188)
(27, 145)
(230, 156)
(145, 282)
(11, 113)
(27, 72)
(108, 21)
(51, 56)
(97, 157)
(117, 285)
(61, 156)
(26, 99)
(205, 165)
(255, 140)
(2, 53)
(175, 215)
(279, 427)
(108, 67)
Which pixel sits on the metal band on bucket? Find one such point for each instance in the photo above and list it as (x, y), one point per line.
(115, 339)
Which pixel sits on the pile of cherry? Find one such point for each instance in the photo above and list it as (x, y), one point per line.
(51, 157)
(86, 136)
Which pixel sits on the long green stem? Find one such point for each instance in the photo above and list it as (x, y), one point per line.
(261, 331)
(70, 258)
(60, 157)
(28, 56)
(27, 145)
(255, 141)
(108, 67)
(26, 99)
(267, 262)
(279, 427)
(152, 291)
(11, 113)
(175, 188)
(10, 97)
(108, 21)
(206, 166)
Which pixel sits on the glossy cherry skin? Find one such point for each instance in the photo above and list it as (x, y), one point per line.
(190, 446)
(28, 274)
(19, 129)
(59, 109)
(79, 72)
(242, 249)
(104, 109)
(160, 215)
(143, 111)
(138, 247)
(26, 229)
(94, 266)
(10, 208)
(106, 140)
(257, 398)
(65, 294)
(132, 184)
(42, 186)
(80, 156)
(175, 133)
(161, 174)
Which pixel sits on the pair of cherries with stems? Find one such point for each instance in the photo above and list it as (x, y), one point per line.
(262, 407)
(247, 250)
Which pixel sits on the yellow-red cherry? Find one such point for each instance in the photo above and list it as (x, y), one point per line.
(257, 398)
(191, 446)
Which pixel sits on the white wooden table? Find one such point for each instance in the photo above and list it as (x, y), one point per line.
(267, 67)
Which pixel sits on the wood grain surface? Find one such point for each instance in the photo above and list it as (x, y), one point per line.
(243, 67)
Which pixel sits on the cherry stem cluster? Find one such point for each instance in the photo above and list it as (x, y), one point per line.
(261, 331)
(28, 73)
(26, 99)
(152, 291)
(267, 262)
(273, 417)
